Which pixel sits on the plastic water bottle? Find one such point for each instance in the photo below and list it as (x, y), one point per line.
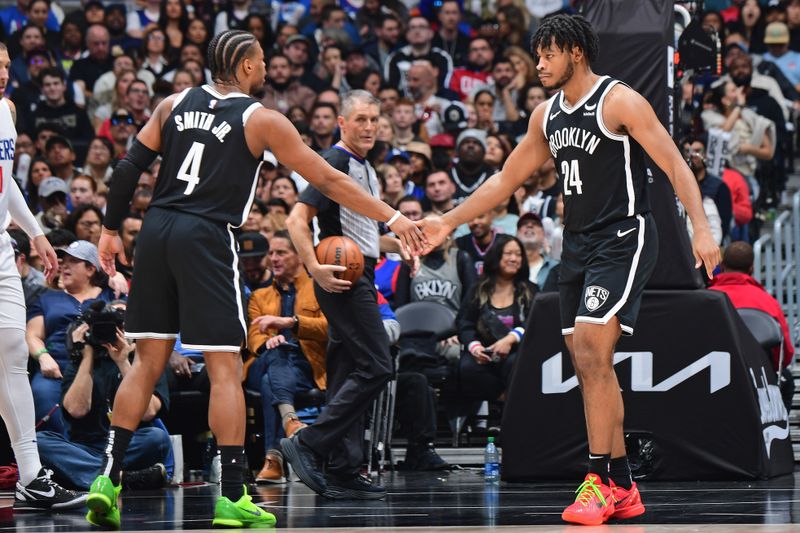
(491, 462)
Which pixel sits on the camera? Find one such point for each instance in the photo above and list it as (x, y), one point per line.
(103, 320)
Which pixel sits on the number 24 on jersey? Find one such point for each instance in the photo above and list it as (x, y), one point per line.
(572, 177)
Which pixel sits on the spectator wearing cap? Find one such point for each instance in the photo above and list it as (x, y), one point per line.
(419, 37)
(404, 119)
(387, 33)
(253, 250)
(476, 73)
(443, 151)
(288, 334)
(298, 49)
(530, 231)
(61, 156)
(282, 91)
(736, 280)
(776, 37)
(83, 283)
(87, 70)
(470, 171)
(53, 202)
(420, 155)
(54, 107)
(33, 281)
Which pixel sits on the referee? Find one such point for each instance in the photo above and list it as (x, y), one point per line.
(358, 360)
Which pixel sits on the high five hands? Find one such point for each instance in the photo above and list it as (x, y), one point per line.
(435, 230)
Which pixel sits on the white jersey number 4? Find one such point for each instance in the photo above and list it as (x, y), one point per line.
(190, 168)
(572, 177)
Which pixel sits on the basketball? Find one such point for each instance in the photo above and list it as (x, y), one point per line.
(342, 251)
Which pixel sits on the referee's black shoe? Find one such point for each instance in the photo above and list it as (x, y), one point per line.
(305, 463)
(353, 487)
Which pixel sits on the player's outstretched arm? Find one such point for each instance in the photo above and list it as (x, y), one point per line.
(523, 161)
(123, 183)
(626, 109)
(280, 136)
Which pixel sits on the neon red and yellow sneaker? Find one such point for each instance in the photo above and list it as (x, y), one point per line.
(593, 505)
(627, 503)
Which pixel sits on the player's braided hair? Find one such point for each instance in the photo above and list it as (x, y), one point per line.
(566, 32)
(226, 51)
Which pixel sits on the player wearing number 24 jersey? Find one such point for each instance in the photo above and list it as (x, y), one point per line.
(597, 130)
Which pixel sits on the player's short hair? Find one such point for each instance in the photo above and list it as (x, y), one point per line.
(226, 51)
(567, 32)
(355, 97)
(738, 257)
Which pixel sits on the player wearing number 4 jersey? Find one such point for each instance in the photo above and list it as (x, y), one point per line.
(186, 277)
(597, 130)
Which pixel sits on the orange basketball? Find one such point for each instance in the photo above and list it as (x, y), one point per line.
(342, 251)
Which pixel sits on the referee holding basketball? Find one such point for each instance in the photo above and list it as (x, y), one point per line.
(358, 360)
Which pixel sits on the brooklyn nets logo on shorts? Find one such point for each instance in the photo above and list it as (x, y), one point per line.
(595, 297)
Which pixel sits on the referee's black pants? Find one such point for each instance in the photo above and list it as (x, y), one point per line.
(358, 366)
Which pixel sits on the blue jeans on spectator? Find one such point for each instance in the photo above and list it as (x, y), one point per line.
(279, 374)
(77, 464)
(46, 394)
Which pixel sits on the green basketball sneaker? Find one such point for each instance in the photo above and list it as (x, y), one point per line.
(243, 513)
(102, 503)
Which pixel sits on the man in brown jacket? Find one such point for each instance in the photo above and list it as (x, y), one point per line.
(289, 334)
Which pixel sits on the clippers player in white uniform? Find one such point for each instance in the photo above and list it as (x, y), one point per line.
(35, 490)
(186, 275)
(597, 130)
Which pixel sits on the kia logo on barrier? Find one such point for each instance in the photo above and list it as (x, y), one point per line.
(718, 363)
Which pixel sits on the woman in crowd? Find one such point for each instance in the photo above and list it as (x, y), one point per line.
(492, 321)
(85, 222)
(197, 33)
(497, 150)
(484, 110)
(83, 283)
(183, 80)
(260, 27)
(154, 50)
(103, 112)
(385, 130)
(82, 191)
(39, 170)
(529, 97)
(173, 21)
(391, 184)
(98, 160)
(524, 65)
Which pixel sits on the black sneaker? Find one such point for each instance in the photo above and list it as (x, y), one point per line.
(425, 458)
(305, 463)
(44, 494)
(355, 487)
(153, 477)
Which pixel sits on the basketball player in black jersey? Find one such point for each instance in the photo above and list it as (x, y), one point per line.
(597, 130)
(186, 280)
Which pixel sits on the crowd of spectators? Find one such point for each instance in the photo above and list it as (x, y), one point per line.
(457, 84)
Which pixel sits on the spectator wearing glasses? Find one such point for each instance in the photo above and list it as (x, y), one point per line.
(121, 130)
(85, 223)
(475, 74)
(53, 203)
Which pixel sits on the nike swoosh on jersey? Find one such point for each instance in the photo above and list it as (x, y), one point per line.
(590, 107)
(554, 115)
(621, 233)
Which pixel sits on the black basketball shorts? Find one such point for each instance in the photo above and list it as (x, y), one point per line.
(603, 273)
(186, 280)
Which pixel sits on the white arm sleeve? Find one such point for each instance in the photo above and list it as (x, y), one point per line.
(19, 211)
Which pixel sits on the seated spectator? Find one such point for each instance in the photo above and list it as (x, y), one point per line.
(742, 205)
(53, 202)
(253, 252)
(257, 212)
(492, 321)
(85, 222)
(470, 172)
(282, 91)
(284, 188)
(736, 280)
(468, 79)
(98, 61)
(128, 231)
(61, 156)
(479, 241)
(718, 208)
(506, 216)
(439, 191)
(90, 382)
(289, 334)
(82, 191)
(391, 184)
(84, 283)
(530, 232)
(37, 173)
(33, 281)
(419, 37)
(404, 119)
(323, 127)
(498, 149)
(98, 160)
(410, 207)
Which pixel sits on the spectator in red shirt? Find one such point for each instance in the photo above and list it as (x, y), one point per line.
(737, 282)
(742, 207)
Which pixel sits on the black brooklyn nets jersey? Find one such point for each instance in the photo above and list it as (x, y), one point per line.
(603, 174)
(207, 169)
